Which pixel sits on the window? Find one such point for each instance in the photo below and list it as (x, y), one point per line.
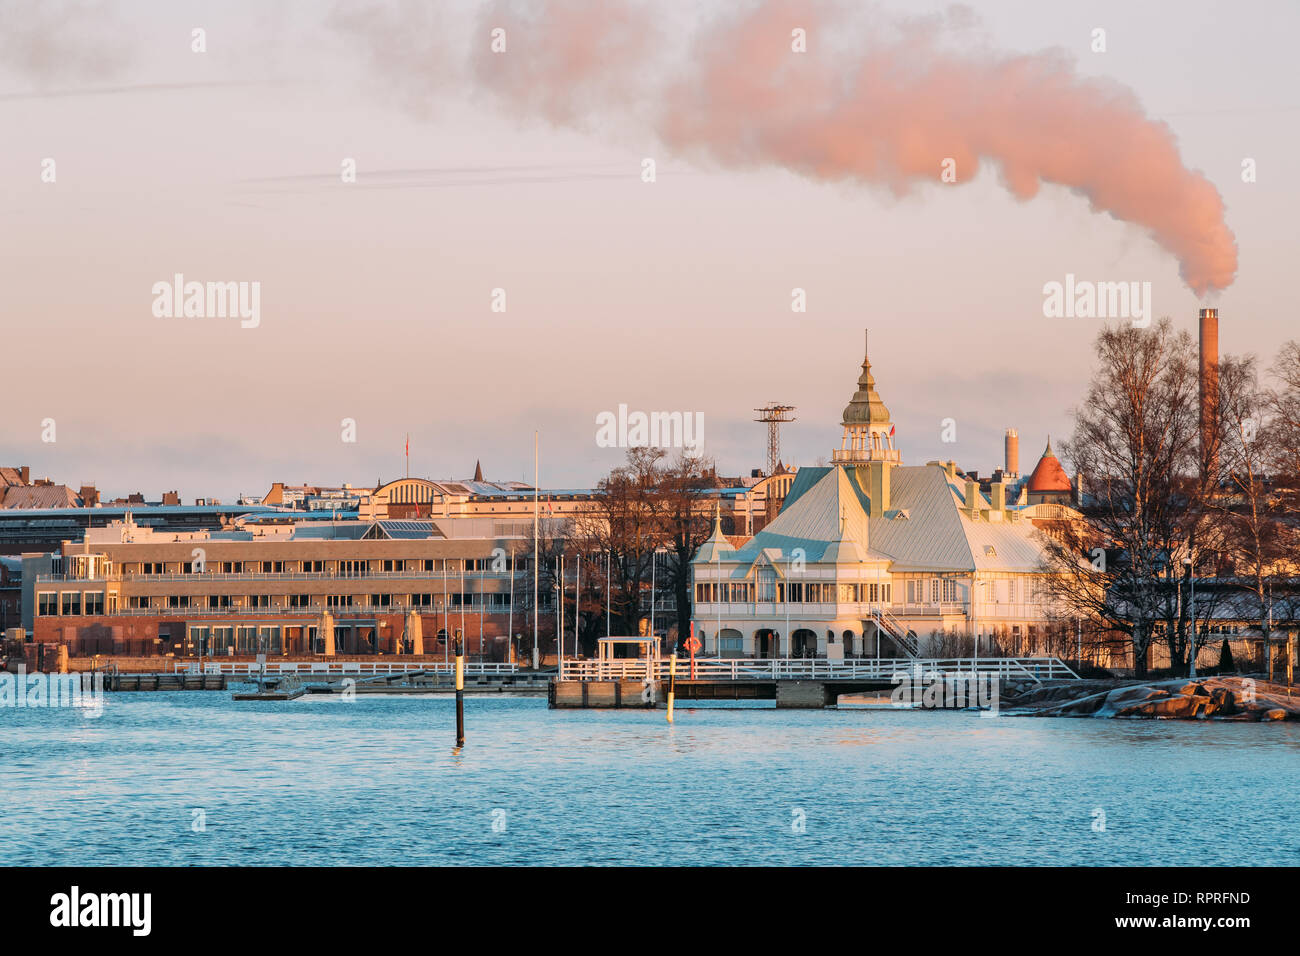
(338, 600)
(222, 640)
(268, 640)
(259, 600)
(47, 604)
(216, 601)
(94, 602)
(767, 585)
(71, 602)
(299, 600)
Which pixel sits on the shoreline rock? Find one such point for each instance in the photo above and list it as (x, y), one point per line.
(1180, 698)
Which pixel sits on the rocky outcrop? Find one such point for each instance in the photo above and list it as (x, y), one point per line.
(1218, 698)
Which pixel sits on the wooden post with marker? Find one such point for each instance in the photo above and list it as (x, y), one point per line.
(672, 682)
(460, 689)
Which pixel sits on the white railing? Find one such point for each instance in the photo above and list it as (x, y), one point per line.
(326, 669)
(767, 669)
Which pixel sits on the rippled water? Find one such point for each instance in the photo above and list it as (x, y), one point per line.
(375, 781)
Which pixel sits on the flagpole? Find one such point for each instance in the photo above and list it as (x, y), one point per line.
(510, 610)
(536, 519)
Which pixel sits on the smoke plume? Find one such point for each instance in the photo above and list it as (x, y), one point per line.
(873, 100)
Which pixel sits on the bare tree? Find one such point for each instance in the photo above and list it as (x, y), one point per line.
(1246, 504)
(1135, 439)
(684, 490)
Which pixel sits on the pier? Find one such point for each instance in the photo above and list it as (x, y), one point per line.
(275, 678)
(790, 682)
(176, 680)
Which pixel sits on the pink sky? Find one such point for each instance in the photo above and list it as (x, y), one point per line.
(672, 295)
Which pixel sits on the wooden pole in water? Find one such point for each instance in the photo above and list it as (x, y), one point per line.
(672, 682)
(460, 689)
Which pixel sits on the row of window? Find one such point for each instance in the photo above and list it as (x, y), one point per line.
(939, 591)
(78, 603)
(799, 592)
(70, 603)
(345, 567)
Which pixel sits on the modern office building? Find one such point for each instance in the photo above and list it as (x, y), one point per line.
(277, 587)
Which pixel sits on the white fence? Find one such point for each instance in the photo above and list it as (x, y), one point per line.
(765, 669)
(327, 669)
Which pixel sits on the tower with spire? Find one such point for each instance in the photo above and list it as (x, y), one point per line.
(868, 443)
(868, 429)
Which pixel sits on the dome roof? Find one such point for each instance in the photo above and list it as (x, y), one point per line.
(1049, 474)
(865, 407)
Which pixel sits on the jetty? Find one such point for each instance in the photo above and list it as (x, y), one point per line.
(165, 680)
(641, 681)
(289, 680)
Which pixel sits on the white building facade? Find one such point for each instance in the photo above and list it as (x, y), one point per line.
(869, 557)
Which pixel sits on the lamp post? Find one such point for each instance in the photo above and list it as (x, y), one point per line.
(654, 560)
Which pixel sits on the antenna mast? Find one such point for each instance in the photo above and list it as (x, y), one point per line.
(774, 414)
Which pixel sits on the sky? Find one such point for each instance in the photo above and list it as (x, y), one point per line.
(476, 173)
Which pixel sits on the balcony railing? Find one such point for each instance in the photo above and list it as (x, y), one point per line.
(197, 576)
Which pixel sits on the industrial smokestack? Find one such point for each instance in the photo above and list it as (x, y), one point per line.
(1011, 467)
(1209, 384)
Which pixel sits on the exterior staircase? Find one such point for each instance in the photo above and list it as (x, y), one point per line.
(897, 632)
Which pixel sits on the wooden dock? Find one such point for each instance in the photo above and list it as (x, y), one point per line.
(164, 681)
